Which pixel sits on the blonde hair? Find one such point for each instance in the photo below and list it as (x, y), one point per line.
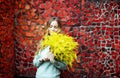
(46, 26)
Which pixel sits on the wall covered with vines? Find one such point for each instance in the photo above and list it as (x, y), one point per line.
(95, 25)
(7, 53)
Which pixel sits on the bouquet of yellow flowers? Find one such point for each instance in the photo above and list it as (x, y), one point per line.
(62, 46)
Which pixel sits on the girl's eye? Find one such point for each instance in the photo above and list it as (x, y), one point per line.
(55, 26)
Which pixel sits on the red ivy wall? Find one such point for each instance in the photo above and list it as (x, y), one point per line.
(7, 54)
(94, 24)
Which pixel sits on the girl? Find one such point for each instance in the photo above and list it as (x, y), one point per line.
(47, 66)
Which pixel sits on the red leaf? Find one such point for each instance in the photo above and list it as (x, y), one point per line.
(42, 5)
(28, 54)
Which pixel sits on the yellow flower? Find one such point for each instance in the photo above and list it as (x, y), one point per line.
(62, 46)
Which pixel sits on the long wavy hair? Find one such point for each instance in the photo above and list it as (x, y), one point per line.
(46, 26)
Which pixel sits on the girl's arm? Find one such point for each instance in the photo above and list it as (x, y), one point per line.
(37, 60)
(60, 65)
(41, 57)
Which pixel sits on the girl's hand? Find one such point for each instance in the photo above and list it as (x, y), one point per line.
(50, 56)
(44, 59)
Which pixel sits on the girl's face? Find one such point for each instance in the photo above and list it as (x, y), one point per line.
(53, 26)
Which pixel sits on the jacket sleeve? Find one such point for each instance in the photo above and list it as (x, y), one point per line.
(39, 56)
(36, 60)
(60, 65)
